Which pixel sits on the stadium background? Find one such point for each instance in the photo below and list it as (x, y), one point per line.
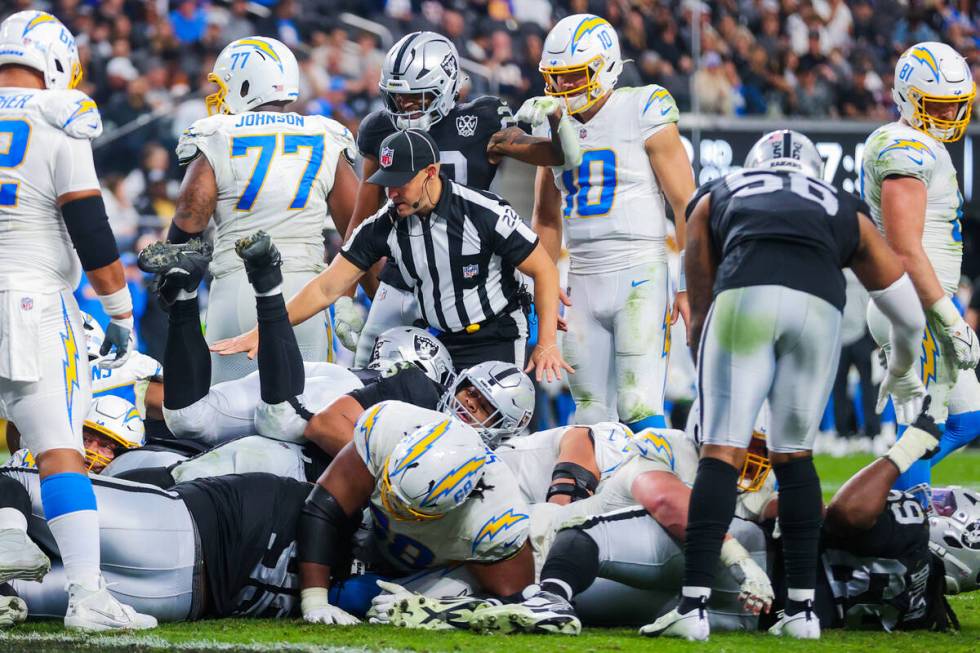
(737, 68)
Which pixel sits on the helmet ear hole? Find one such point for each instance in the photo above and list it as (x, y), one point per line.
(244, 90)
(57, 63)
(952, 542)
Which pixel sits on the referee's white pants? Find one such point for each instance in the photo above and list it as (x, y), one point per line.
(618, 341)
(45, 378)
(392, 307)
(764, 342)
(231, 311)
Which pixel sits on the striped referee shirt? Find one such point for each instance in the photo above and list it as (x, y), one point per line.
(461, 258)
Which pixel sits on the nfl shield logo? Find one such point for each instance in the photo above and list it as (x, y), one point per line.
(26, 303)
(387, 157)
(466, 125)
(470, 271)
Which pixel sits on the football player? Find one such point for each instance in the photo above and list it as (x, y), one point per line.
(767, 292)
(908, 180)
(249, 142)
(138, 380)
(50, 203)
(420, 84)
(614, 213)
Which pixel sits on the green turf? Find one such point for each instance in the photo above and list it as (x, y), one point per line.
(290, 636)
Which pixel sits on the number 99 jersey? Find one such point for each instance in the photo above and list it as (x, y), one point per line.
(490, 525)
(44, 153)
(274, 172)
(613, 207)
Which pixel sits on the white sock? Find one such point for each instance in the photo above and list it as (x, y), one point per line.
(800, 595)
(269, 293)
(186, 294)
(77, 536)
(12, 518)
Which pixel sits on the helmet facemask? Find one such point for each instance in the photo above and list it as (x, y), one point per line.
(757, 466)
(582, 97)
(494, 429)
(428, 113)
(95, 459)
(215, 102)
(942, 129)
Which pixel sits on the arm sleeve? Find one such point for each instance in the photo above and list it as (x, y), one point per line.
(369, 242)
(513, 240)
(74, 168)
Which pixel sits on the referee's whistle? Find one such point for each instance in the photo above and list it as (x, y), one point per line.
(473, 328)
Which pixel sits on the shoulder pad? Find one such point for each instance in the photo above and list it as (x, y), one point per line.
(895, 149)
(21, 459)
(493, 109)
(188, 146)
(656, 105)
(373, 129)
(502, 535)
(71, 111)
(656, 445)
(343, 137)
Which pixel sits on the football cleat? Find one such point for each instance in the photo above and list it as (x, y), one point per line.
(262, 261)
(802, 625)
(692, 625)
(13, 611)
(428, 613)
(176, 266)
(542, 612)
(20, 557)
(99, 610)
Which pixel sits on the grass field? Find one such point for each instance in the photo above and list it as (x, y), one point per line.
(295, 636)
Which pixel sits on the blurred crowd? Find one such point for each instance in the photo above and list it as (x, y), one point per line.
(146, 62)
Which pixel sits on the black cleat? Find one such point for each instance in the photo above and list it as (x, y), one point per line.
(263, 262)
(177, 267)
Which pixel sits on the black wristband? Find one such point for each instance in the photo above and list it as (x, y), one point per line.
(177, 235)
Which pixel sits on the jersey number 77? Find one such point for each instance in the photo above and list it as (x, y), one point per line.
(266, 144)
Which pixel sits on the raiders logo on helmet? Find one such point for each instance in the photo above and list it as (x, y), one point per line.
(449, 65)
(425, 347)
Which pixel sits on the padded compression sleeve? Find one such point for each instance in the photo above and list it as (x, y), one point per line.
(88, 228)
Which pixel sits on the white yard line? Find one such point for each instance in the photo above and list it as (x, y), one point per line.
(115, 642)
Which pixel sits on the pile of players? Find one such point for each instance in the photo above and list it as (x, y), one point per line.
(406, 491)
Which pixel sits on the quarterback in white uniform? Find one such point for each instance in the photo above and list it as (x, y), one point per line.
(262, 168)
(612, 205)
(50, 204)
(909, 181)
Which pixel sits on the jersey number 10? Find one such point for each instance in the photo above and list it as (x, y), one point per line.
(19, 132)
(597, 170)
(267, 145)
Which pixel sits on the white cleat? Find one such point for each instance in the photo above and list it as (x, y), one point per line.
(542, 612)
(99, 610)
(13, 611)
(692, 626)
(802, 625)
(20, 557)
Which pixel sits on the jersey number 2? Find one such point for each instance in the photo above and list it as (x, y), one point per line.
(597, 170)
(12, 155)
(266, 144)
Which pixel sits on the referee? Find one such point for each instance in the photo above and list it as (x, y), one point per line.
(460, 248)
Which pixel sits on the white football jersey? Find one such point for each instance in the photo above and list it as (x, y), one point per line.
(897, 149)
(491, 525)
(274, 172)
(45, 152)
(532, 457)
(129, 381)
(613, 208)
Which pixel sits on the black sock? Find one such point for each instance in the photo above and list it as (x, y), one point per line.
(281, 372)
(572, 564)
(14, 495)
(186, 359)
(799, 520)
(711, 510)
(796, 607)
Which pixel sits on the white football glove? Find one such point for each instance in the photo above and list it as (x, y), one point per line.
(317, 609)
(120, 338)
(957, 334)
(537, 109)
(383, 604)
(755, 589)
(348, 321)
(908, 393)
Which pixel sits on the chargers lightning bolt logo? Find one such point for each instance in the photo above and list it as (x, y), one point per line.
(658, 94)
(82, 107)
(367, 426)
(496, 525)
(422, 445)
(666, 327)
(584, 28)
(39, 19)
(930, 356)
(925, 57)
(453, 479)
(262, 47)
(648, 443)
(911, 146)
(70, 362)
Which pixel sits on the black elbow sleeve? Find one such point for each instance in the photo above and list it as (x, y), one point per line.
(88, 228)
(326, 533)
(583, 485)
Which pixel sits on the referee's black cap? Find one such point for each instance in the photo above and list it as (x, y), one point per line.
(402, 156)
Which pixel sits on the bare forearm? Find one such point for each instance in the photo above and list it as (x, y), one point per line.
(312, 299)
(546, 305)
(312, 574)
(922, 274)
(549, 234)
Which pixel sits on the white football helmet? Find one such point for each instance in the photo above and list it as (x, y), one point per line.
(954, 536)
(411, 345)
(251, 72)
(423, 64)
(118, 420)
(930, 75)
(94, 335)
(785, 149)
(506, 388)
(38, 40)
(581, 43)
(432, 470)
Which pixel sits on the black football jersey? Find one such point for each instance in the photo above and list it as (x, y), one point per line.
(782, 228)
(408, 384)
(462, 136)
(880, 576)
